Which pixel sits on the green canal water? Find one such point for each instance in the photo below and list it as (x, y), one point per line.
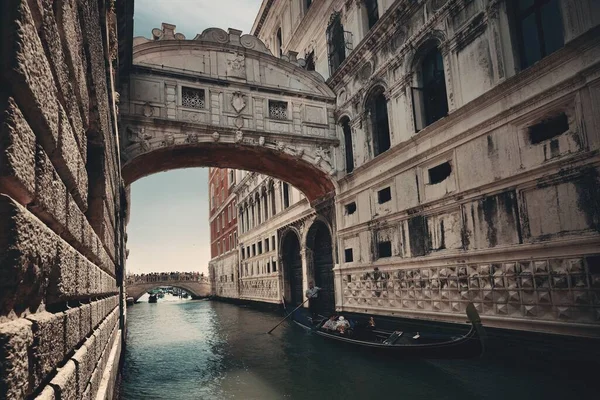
(183, 349)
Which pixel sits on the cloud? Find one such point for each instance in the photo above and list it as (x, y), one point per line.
(193, 16)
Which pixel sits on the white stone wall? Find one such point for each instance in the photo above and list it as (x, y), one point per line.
(514, 227)
(261, 272)
(224, 275)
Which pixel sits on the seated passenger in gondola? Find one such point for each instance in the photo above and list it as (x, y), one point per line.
(342, 325)
(330, 324)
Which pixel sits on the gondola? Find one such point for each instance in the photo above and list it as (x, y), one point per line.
(409, 345)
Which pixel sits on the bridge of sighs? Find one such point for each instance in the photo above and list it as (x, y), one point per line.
(222, 99)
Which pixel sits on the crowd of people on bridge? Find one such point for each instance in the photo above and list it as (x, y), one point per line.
(166, 276)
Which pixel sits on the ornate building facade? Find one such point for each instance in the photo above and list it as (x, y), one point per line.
(223, 270)
(468, 159)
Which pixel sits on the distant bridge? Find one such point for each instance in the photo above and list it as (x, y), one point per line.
(195, 283)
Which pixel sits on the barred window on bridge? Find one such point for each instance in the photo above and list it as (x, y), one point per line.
(278, 109)
(192, 98)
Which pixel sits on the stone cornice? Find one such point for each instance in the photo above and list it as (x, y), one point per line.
(261, 17)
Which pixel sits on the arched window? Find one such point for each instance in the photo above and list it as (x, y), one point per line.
(336, 42)
(273, 207)
(258, 209)
(279, 40)
(430, 102)
(379, 123)
(345, 123)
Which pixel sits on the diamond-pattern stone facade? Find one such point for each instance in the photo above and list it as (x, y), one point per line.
(555, 289)
(260, 288)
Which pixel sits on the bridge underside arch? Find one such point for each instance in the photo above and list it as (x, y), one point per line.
(196, 289)
(223, 100)
(313, 182)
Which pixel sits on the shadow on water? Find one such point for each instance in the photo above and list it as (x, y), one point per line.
(210, 350)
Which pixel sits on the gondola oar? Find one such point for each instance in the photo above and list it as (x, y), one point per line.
(287, 316)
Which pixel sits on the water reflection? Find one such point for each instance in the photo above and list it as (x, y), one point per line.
(209, 350)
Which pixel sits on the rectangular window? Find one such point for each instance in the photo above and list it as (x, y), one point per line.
(192, 98)
(539, 29)
(350, 208)
(243, 253)
(310, 61)
(218, 248)
(274, 266)
(229, 213)
(286, 195)
(248, 254)
(384, 249)
(230, 242)
(348, 256)
(273, 242)
(254, 249)
(267, 245)
(384, 195)
(260, 247)
(548, 128)
(235, 238)
(278, 109)
(439, 173)
(372, 12)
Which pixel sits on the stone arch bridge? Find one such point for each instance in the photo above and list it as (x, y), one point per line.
(223, 100)
(198, 286)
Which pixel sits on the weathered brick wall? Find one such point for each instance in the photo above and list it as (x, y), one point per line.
(59, 191)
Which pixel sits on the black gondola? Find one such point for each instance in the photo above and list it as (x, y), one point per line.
(406, 344)
(153, 298)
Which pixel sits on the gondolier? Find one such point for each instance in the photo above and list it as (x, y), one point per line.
(312, 294)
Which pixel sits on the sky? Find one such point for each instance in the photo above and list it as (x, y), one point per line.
(168, 228)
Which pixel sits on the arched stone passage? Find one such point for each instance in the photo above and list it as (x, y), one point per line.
(196, 289)
(319, 241)
(314, 183)
(223, 100)
(292, 267)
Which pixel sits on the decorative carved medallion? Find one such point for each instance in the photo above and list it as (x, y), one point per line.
(239, 122)
(239, 136)
(238, 102)
(216, 136)
(261, 140)
(192, 138)
(237, 66)
(147, 110)
(169, 139)
(281, 146)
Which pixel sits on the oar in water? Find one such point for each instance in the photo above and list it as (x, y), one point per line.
(287, 316)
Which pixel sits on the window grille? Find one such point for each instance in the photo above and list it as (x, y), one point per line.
(278, 109)
(192, 98)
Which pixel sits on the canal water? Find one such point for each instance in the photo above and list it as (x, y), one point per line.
(191, 350)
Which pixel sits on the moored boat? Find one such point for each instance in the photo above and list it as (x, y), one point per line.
(405, 344)
(153, 298)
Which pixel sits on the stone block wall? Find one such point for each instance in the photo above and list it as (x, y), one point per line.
(60, 251)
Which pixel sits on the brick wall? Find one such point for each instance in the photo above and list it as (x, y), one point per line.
(59, 192)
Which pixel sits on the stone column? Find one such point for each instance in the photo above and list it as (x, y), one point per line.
(278, 198)
(306, 255)
(171, 99)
